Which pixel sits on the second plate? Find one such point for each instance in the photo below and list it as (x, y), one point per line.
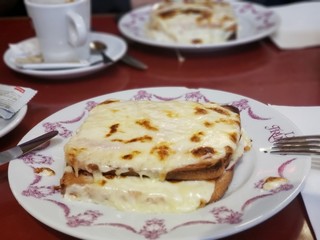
(255, 22)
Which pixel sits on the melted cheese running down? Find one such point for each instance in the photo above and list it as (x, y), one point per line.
(144, 194)
(153, 138)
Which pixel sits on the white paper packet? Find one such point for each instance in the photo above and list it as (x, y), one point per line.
(26, 52)
(13, 98)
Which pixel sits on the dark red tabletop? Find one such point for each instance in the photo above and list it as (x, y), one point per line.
(257, 70)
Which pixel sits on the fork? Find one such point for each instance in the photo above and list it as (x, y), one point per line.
(301, 145)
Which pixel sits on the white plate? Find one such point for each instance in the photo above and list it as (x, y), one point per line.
(244, 205)
(255, 22)
(116, 48)
(7, 125)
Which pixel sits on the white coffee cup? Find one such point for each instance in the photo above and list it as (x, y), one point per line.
(62, 28)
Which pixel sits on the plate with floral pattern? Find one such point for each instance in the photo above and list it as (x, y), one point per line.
(254, 23)
(249, 200)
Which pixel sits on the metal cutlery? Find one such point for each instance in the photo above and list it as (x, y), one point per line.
(131, 61)
(301, 145)
(128, 59)
(100, 47)
(95, 47)
(18, 151)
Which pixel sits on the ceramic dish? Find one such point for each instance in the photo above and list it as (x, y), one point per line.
(255, 22)
(245, 204)
(116, 48)
(7, 125)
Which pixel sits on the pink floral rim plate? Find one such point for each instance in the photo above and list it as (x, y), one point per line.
(255, 22)
(246, 203)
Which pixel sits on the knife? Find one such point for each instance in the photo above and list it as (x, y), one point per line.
(18, 151)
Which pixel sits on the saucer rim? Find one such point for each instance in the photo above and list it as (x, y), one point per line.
(77, 72)
(14, 121)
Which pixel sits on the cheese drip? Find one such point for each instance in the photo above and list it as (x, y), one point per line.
(144, 194)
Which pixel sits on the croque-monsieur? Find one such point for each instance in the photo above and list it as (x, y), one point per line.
(192, 22)
(148, 156)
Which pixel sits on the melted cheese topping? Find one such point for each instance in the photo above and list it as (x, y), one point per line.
(272, 183)
(144, 194)
(153, 138)
(44, 171)
(192, 22)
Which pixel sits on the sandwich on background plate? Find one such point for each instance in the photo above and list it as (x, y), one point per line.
(193, 22)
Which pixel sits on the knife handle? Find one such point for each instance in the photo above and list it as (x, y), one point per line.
(29, 145)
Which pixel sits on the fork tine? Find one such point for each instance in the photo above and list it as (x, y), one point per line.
(306, 144)
(290, 150)
(295, 151)
(300, 138)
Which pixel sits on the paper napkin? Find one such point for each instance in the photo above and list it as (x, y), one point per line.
(299, 25)
(26, 51)
(27, 55)
(307, 120)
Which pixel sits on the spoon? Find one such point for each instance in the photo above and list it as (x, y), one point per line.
(100, 47)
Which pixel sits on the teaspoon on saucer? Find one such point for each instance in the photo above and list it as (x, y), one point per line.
(100, 47)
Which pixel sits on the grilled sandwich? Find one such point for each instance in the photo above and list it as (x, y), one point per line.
(171, 156)
(193, 22)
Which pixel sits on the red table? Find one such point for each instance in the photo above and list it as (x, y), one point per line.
(258, 70)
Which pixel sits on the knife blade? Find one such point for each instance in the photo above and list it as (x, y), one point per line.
(133, 62)
(18, 151)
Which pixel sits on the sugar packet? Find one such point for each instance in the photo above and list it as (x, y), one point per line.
(13, 98)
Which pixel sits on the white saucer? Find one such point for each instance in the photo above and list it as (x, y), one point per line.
(116, 48)
(7, 125)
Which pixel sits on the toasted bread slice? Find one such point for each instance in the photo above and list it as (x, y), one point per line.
(222, 185)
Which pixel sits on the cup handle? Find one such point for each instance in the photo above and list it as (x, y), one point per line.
(78, 32)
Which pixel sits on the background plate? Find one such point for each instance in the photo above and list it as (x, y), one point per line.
(255, 22)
